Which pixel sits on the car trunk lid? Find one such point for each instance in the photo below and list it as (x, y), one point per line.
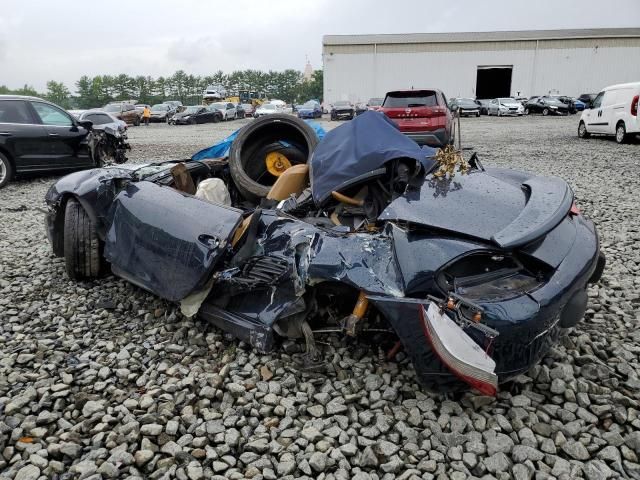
(486, 206)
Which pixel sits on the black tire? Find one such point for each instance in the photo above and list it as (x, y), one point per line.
(545, 112)
(526, 111)
(216, 119)
(477, 114)
(82, 247)
(6, 170)
(256, 139)
(621, 133)
(136, 122)
(192, 121)
(582, 131)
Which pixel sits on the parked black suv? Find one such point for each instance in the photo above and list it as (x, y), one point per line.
(38, 136)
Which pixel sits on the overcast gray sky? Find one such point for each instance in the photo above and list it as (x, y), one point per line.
(64, 39)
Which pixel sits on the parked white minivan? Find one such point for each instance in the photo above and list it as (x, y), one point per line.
(613, 112)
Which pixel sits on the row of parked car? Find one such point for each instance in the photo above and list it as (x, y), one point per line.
(545, 105)
(427, 116)
(174, 113)
(223, 111)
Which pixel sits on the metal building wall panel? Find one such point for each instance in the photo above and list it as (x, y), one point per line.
(571, 66)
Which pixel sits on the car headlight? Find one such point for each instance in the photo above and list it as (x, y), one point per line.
(552, 106)
(186, 116)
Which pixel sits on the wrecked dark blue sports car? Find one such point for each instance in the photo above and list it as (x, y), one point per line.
(475, 276)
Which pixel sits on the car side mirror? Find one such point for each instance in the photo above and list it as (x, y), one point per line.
(88, 124)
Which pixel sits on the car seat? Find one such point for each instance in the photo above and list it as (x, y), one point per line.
(182, 179)
(292, 182)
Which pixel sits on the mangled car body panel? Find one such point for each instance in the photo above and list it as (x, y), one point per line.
(485, 206)
(164, 240)
(501, 254)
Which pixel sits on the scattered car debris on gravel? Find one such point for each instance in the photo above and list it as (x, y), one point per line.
(103, 380)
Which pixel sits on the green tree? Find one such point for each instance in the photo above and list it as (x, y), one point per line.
(26, 90)
(58, 93)
(311, 89)
(84, 90)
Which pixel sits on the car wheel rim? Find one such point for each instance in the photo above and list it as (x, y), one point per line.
(3, 171)
(619, 135)
(581, 130)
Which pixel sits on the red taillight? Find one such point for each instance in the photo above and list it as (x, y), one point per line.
(574, 209)
(634, 105)
(458, 352)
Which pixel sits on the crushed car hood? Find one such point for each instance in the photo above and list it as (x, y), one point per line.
(505, 209)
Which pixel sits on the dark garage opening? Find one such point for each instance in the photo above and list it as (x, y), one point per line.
(493, 81)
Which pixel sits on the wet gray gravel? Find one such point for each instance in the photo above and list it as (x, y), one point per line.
(103, 380)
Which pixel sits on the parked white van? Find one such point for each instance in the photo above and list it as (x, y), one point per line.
(613, 112)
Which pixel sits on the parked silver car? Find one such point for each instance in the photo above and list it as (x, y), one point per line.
(505, 106)
(227, 109)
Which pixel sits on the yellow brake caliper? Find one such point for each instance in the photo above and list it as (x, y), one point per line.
(276, 163)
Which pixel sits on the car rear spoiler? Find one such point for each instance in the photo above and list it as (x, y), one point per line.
(550, 199)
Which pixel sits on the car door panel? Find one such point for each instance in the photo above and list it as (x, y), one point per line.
(595, 123)
(166, 241)
(28, 145)
(67, 141)
(207, 116)
(607, 114)
(22, 136)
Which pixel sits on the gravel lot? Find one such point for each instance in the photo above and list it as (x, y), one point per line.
(103, 380)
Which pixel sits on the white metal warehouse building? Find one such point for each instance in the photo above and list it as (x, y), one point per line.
(480, 64)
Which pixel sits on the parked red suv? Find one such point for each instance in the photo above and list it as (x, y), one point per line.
(422, 115)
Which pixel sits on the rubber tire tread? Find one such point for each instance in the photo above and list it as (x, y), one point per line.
(82, 248)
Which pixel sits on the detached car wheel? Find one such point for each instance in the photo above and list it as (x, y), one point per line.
(82, 248)
(582, 131)
(621, 133)
(266, 147)
(6, 170)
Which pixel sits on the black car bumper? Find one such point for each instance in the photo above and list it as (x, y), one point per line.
(470, 112)
(434, 138)
(528, 325)
(337, 114)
